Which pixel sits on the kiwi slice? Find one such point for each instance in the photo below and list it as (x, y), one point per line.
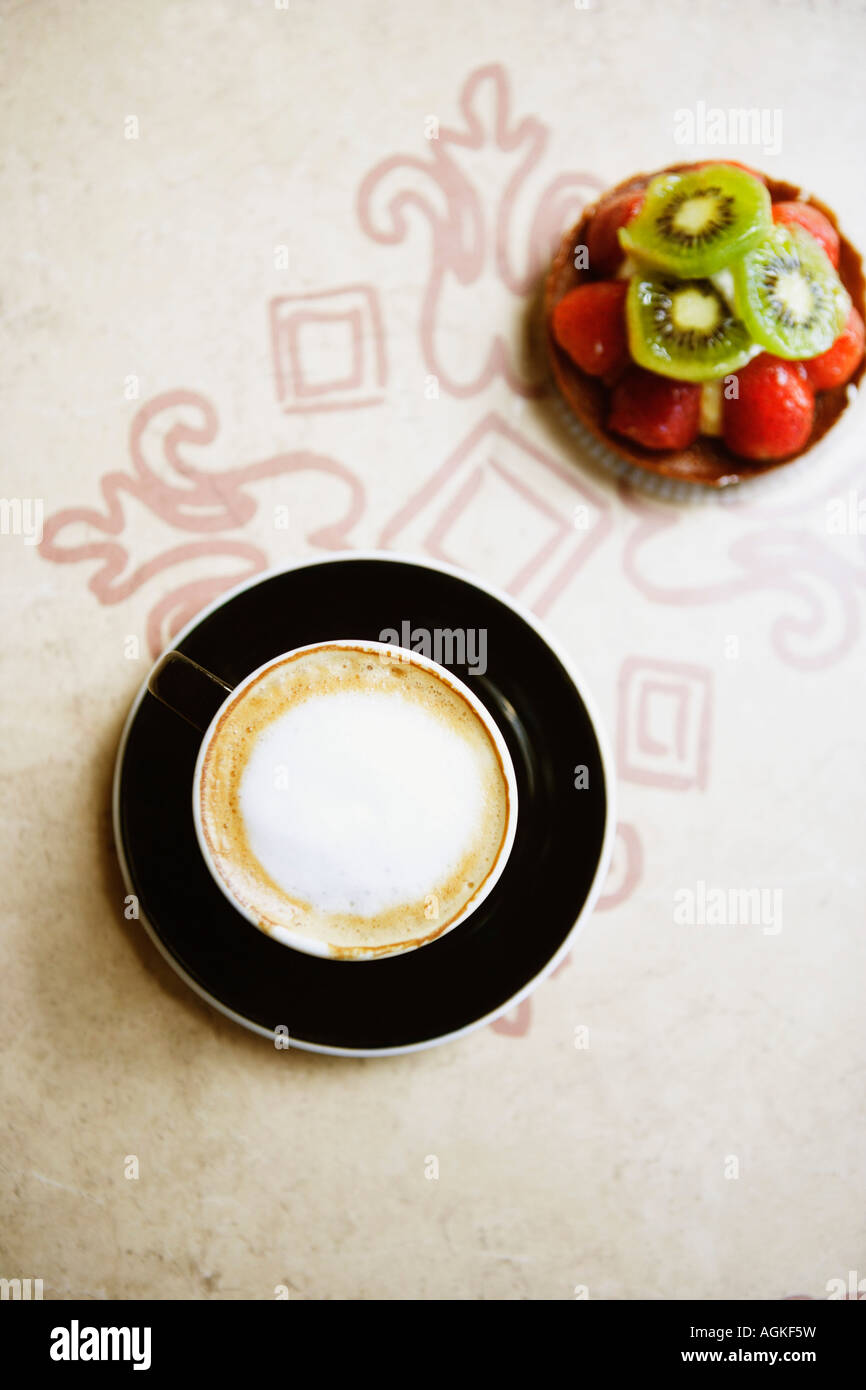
(694, 224)
(789, 296)
(683, 328)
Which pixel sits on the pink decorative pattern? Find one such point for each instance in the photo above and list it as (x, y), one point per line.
(626, 868)
(515, 1024)
(623, 877)
(190, 499)
(817, 581)
(548, 519)
(328, 349)
(492, 222)
(665, 712)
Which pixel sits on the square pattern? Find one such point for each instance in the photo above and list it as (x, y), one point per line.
(328, 350)
(548, 521)
(665, 714)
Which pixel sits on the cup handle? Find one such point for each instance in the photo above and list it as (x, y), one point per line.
(187, 689)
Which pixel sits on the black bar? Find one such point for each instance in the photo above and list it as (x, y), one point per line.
(249, 1337)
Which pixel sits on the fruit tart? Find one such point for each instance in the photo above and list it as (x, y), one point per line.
(706, 322)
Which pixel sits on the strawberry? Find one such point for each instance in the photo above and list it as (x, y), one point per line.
(771, 416)
(589, 323)
(654, 410)
(804, 215)
(838, 364)
(602, 243)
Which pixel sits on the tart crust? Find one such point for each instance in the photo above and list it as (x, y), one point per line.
(706, 462)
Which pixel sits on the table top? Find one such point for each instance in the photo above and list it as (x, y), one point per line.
(268, 282)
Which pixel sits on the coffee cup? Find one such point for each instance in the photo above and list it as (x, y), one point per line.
(351, 799)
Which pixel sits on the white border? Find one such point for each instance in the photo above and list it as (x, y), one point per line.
(398, 557)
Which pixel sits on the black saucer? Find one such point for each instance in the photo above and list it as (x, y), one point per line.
(483, 966)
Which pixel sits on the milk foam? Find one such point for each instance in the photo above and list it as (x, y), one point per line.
(358, 802)
(353, 797)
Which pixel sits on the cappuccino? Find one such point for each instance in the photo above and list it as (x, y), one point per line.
(354, 798)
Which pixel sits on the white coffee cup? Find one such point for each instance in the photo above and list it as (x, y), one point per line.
(311, 859)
